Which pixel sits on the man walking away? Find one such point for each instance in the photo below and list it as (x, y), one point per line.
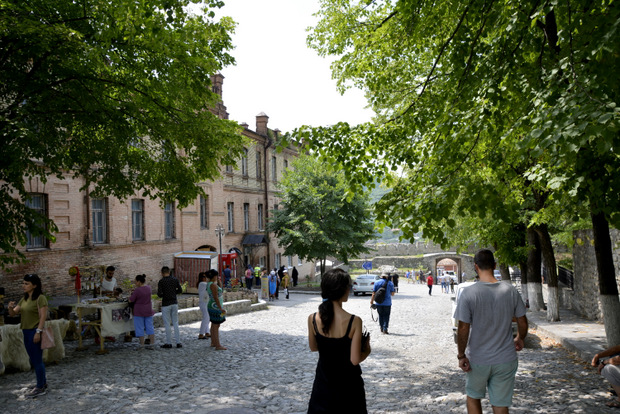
(486, 348)
(227, 275)
(168, 288)
(384, 308)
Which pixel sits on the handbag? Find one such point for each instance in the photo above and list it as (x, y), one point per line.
(47, 338)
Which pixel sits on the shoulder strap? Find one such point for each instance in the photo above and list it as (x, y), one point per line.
(316, 330)
(350, 324)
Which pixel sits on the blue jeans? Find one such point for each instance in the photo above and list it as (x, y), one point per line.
(36, 356)
(384, 316)
(169, 314)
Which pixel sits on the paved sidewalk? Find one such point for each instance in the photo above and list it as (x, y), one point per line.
(577, 334)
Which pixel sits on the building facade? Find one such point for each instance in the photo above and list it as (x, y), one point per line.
(139, 235)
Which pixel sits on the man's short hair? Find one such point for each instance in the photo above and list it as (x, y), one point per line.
(484, 259)
(165, 270)
(110, 269)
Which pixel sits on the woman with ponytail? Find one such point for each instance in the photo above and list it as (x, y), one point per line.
(337, 336)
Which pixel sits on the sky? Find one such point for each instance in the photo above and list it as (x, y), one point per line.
(276, 73)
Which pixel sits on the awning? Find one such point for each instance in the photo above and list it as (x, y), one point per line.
(254, 239)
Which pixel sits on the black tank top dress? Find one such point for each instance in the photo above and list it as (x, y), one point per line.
(338, 385)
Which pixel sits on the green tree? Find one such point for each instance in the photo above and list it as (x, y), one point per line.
(452, 81)
(114, 92)
(316, 219)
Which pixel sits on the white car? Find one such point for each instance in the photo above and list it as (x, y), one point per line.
(455, 299)
(364, 284)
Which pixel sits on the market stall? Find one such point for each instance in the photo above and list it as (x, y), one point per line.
(13, 352)
(114, 318)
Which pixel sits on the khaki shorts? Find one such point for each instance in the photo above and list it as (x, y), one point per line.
(499, 379)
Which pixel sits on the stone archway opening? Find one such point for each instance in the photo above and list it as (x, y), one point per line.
(443, 265)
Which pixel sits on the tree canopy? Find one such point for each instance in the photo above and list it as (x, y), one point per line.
(499, 110)
(114, 92)
(316, 220)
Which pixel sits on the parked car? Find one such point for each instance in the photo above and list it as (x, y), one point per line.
(497, 274)
(364, 284)
(457, 294)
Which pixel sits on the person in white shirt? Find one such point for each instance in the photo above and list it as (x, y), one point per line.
(109, 281)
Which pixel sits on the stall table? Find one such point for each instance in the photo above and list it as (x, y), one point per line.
(115, 319)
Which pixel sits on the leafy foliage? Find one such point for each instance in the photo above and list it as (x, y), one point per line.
(115, 92)
(502, 112)
(316, 219)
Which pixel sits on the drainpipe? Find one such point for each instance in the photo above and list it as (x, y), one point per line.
(267, 144)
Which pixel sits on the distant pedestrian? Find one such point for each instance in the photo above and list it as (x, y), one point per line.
(227, 276)
(33, 310)
(451, 285)
(273, 285)
(295, 276)
(217, 313)
(280, 273)
(168, 288)
(486, 349)
(395, 281)
(442, 279)
(143, 311)
(384, 308)
(429, 282)
(203, 302)
(249, 276)
(337, 336)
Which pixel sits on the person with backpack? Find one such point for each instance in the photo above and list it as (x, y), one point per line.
(382, 298)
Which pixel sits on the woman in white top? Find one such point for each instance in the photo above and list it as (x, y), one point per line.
(203, 296)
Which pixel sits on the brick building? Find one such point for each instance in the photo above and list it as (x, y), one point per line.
(138, 236)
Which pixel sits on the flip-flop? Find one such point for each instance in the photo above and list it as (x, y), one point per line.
(613, 404)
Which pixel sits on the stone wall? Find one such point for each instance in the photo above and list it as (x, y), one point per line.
(584, 299)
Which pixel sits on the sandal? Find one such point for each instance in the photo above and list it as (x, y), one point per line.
(613, 404)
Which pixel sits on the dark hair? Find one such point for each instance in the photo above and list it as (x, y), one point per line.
(202, 276)
(141, 278)
(334, 285)
(34, 279)
(484, 259)
(110, 269)
(212, 273)
(165, 269)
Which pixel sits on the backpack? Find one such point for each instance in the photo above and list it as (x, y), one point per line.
(381, 292)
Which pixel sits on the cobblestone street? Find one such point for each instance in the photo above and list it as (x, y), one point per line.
(268, 368)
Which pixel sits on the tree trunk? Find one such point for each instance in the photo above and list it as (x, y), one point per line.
(553, 297)
(534, 278)
(524, 285)
(608, 287)
(505, 272)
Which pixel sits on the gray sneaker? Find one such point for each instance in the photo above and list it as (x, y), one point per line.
(36, 392)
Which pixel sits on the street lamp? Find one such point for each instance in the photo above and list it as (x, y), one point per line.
(219, 230)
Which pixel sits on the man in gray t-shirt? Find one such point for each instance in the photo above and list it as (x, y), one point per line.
(486, 348)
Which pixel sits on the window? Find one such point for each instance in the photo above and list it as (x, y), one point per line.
(98, 207)
(137, 220)
(169, 220)
(278, 260)
(285, 164)
(261, 262)
(244, 163)
(231, 217)
(246, 216)
(259, 170)
(299, 262)
(276, 206)
(38, 203)
(290, 261)
(229, 169)
(260, 217)
(204, 212)
(274, 176)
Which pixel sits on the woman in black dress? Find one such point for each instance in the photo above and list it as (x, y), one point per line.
(337, 335)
